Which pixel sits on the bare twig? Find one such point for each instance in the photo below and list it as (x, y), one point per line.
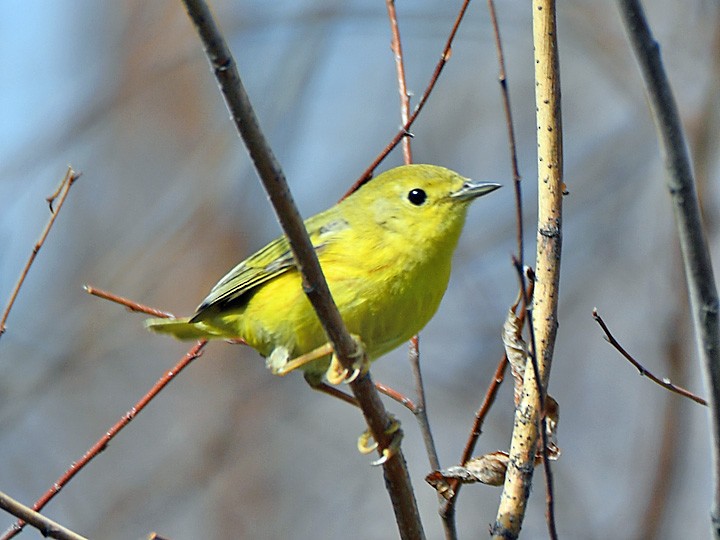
(693, 244)
(421, 406)
(46, 526)
(419, 409)
(402, 399)
(448, 509)
(396, 46)
(447, 512)
(543, 316)
(404, 131)
(130, 304)
(60, 195)
(397, 478)
(665, 383)
(502, 78)
(103, 441)
(542, 399)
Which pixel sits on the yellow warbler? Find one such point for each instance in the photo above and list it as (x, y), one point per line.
(385, 251)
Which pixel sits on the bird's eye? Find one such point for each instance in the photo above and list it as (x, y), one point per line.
(417, 196)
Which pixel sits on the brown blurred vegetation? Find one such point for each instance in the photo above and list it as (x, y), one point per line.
(168, 202)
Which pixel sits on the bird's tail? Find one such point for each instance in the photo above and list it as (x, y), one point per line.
(180, 328)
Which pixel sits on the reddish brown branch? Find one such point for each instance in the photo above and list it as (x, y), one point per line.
(103, 441)
(60, 195)
(448, 510)
(665, 383)
(419, 409)
(130, 304)
(502, 78)
(404, 131)
(396, 46)
(393, 394)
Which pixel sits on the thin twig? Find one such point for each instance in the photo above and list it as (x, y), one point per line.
(404, 131)
(529, 414)
(693, 243)
(396, 46)
(419, 409)
(130, 304)
(46, 526)
(502, 78)
(393, 394)
(447, 512)
(664, 382)
(421, 406)
(397, 478)
(60, 195)
(103, 441)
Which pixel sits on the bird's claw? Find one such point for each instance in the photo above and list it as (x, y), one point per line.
(365, 446)
(337, 374)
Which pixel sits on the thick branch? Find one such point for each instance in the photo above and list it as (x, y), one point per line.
(397, 479)
(529, 411)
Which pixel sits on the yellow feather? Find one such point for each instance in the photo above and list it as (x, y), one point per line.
(386, 253)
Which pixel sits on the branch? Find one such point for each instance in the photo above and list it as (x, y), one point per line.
(60, 195)
(404, 131)
(397, 478)
(693, 244)
(396, 46)
(543, 316)
(665, 383)
(102, 442)
(130, 304)
(46, 526)
(502, 78)
(419, 410)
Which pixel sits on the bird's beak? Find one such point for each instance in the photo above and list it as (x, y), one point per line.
(471, 190)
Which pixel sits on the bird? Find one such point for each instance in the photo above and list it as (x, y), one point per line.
(386, 253)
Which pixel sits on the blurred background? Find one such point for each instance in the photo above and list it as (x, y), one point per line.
(168, 202)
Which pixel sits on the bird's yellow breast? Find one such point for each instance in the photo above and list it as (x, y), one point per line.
(385, 291)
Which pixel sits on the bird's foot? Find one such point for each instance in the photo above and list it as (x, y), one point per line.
(337, 374)
(365, 446)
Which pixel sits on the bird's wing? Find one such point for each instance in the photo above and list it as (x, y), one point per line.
(271, 261)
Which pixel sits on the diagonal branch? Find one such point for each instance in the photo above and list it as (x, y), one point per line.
(693, 244)
(60, 195)
(102, 443)
(665, 383)
(46, 526)
(404, 131)
(397, 478)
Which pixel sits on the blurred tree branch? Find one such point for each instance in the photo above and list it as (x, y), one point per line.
(693, 244)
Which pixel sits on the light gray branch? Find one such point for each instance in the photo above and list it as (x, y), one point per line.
(46, 526)
(693, 244)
